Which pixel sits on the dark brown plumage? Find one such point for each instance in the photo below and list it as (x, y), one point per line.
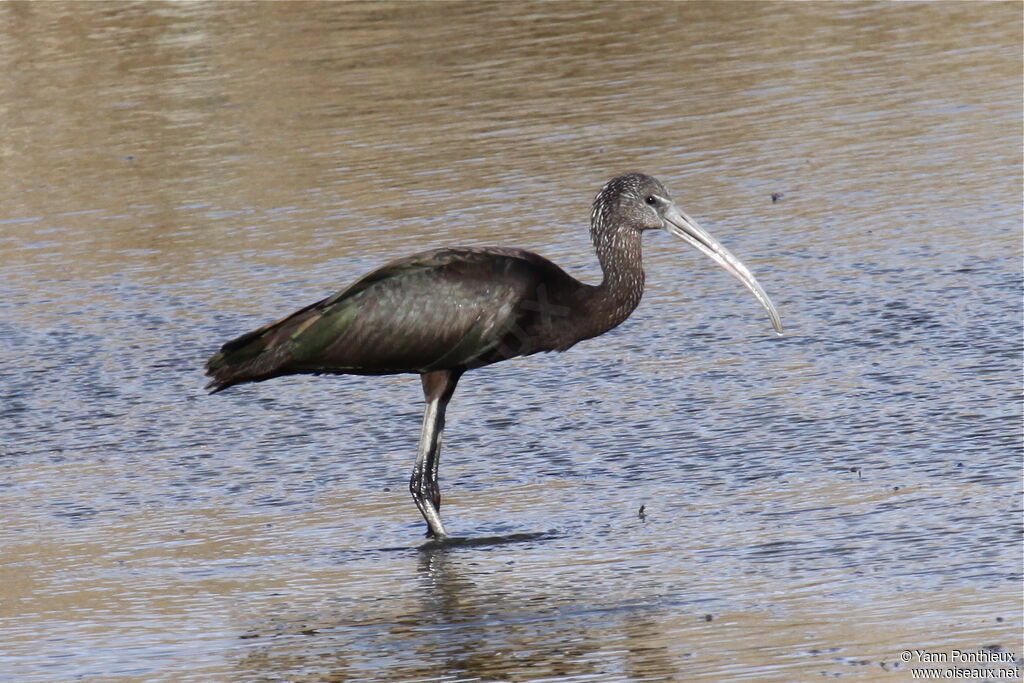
(442, 312)
(439, 309)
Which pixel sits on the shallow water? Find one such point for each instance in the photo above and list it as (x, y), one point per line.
(815, 504)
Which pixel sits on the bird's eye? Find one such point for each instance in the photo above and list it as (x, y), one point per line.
(651, 200)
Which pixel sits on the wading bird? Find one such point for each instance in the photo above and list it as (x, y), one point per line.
(442, 312)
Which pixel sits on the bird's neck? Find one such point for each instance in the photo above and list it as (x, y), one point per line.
(619, 293)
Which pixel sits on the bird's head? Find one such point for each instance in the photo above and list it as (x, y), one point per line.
(636, 202)
(633, 202)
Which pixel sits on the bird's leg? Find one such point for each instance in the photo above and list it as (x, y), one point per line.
(438, 387)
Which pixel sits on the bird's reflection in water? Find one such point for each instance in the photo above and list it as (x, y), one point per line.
(465, 617)
(471, 630)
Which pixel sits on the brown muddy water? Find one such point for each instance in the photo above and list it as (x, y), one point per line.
(817, 504)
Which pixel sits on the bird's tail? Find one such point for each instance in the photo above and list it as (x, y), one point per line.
(236, 362)
(260, 354)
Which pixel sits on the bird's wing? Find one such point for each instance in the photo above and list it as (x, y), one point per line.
(437, 309)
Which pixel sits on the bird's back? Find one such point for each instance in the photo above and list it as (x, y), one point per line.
(445, 308)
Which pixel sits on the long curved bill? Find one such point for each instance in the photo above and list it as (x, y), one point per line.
(682, 226)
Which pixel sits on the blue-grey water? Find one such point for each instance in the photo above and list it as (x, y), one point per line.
(816, 504)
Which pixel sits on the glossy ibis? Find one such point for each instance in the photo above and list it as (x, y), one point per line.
(442, 312)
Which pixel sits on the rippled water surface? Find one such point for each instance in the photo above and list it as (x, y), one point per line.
(815, 504)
